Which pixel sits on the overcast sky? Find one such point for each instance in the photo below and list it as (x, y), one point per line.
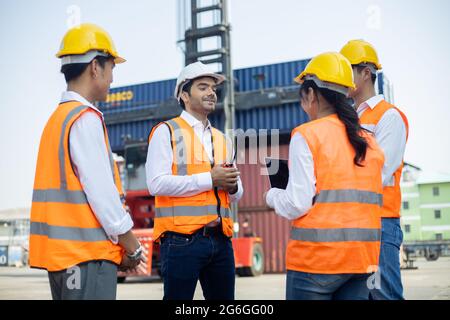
(410, 37)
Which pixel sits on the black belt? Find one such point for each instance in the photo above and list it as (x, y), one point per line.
(210, 231)
(205, 231)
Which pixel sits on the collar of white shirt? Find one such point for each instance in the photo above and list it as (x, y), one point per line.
(371, 103)
(193, 121)
(75, 96)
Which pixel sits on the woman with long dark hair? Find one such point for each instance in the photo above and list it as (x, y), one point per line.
(334, 194)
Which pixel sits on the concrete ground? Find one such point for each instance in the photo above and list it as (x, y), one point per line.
(431, 281)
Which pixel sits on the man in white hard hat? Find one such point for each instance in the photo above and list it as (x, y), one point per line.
(80, 232)
(189, 173)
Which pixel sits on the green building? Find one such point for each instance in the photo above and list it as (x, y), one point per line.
(425, 205)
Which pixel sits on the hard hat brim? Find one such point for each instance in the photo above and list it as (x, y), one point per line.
(301, 78)
(88, 57)
(118, 60)
(375, 64)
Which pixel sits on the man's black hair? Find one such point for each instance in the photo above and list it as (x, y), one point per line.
(186, 88)
(74, 70)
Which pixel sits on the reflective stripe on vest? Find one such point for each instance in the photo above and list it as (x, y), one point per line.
(343, 234)
(186, 211)
(351, 195)
(335, 235)
(58, 195)
(62, 169)
(181, 149)
(68, 233)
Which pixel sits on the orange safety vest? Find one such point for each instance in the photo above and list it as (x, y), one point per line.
(188, 214)
(64, 230)
(392, 196)
(341, 232)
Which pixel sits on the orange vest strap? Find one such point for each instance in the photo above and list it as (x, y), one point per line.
(371, 117)
(405, 120)
(181, 153)
(155, 127)
(61, 155)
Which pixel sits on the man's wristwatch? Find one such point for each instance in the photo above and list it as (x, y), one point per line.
(136, 254)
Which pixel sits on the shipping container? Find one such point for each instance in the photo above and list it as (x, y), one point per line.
(147, 98)
(274, 232)
(246, 79)
(151, 100)
(283, 118)
(137, 96)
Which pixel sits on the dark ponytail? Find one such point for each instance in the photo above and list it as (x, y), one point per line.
(347, 114)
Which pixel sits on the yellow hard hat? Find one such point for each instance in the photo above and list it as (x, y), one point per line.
(329, 70)
(85, 38)
(361, 52)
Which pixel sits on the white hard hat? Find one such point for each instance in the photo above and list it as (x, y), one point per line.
(192, 71)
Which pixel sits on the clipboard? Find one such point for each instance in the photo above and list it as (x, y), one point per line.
(278, 172)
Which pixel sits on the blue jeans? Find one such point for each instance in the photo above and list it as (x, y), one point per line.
(388, 284)
(315, 286)
(186, 259)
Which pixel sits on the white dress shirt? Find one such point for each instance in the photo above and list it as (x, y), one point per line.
(296, 200)
(160, 180)
(91, 163)
(390, 133)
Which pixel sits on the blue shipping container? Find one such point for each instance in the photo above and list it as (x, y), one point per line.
(150, 95)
